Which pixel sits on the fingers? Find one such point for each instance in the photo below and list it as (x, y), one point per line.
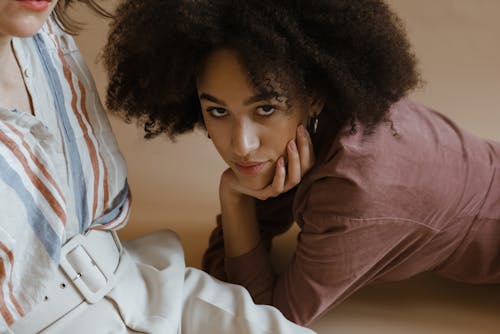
(300, 154)
(276, 187)
(294, 166)
(305, 149)
(301, 158)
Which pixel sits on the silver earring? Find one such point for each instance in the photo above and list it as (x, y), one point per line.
(312, 124)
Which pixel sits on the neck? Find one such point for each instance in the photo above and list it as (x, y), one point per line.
(5, 54)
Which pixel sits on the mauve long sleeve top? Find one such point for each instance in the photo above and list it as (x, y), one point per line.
(417, 194)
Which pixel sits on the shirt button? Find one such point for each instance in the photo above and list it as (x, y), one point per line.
(26, 73)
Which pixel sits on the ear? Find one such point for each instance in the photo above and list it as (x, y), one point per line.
(316, 105)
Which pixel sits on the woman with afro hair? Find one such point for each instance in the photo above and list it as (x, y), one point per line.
(306, 101)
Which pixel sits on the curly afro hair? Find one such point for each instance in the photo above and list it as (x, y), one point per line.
(353, 53)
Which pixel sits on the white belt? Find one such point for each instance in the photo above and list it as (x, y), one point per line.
(85, 275)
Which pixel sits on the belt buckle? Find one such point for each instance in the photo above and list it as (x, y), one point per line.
(77, 278)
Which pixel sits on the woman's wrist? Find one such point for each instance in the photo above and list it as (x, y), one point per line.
(239, 222)
(228, 191)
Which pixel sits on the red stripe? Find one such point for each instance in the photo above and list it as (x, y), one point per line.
(9, 319)
(42, 188)
(91, 148)
(37, 161)
(124, 220)
(93, 151)
(88, 142)
(120, 219)
(18, 307)
(105, 176)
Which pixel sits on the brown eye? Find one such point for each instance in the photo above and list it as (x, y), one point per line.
(266, 110)
(217, 112)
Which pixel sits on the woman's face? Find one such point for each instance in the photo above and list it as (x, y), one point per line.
(250, 131)
(23, 18)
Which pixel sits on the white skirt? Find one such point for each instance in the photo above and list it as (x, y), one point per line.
(156, 293)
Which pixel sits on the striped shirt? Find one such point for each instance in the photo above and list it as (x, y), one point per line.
(61, 172)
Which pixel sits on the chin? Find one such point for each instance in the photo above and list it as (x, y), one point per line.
(28, 25)
(255, 182)
(26, 32)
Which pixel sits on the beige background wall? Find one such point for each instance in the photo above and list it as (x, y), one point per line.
(175, 185)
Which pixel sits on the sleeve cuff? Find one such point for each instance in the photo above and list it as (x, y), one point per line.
(254, 271)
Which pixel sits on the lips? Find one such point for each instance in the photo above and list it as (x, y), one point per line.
(250, 168)
(35, 5)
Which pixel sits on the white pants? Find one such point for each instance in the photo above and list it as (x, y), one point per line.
(156, 293)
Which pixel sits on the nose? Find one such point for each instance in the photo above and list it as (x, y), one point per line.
(245, 138)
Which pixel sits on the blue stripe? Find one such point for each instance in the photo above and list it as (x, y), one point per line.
(76, 168)
(113, 214)
(36, 219)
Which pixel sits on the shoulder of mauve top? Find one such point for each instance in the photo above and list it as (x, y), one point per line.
(334, 203)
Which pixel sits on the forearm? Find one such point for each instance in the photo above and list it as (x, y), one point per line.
(213, 258)
(246, 259)
(239, 223)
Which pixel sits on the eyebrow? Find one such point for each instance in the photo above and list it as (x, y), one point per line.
(208, 97)
(259, 97)
(253, 99)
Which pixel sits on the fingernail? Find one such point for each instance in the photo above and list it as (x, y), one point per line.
(281, 162)
(292, 145)
(301, 130)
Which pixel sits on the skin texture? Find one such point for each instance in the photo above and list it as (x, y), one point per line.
(19, 21)
(254, 136)
(16, 21)
(244, 131)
